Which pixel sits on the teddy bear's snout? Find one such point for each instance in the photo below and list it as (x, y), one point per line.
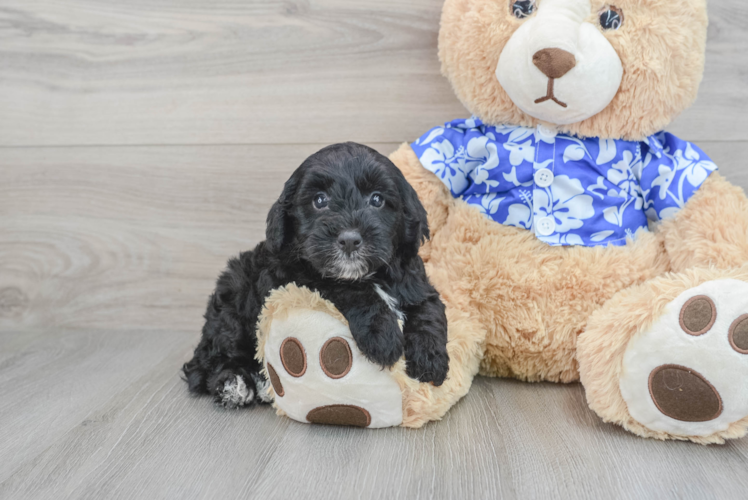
(554, 62)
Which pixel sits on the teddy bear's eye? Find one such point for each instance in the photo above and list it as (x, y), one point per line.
(522, 8)
(611, 17)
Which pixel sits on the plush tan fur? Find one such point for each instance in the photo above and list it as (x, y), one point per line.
(661, 48)
(421, 402)
(534, 301)
(603, 344)
(711, 230)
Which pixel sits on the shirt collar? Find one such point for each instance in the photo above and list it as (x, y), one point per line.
(654, 143)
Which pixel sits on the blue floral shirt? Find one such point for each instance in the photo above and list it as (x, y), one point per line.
(568, 191)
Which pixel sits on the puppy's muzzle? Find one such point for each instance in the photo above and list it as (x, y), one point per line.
(349, 241)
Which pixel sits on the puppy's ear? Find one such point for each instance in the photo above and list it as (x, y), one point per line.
(278, 222)
(415, 223)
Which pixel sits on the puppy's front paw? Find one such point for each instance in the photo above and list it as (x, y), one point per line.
(232, 391)
(262, 385)
(426, 366)
(383, 342)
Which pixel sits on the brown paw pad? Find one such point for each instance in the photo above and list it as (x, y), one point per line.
(739, 334)
(275, 381)
(336, 358)
(698, 315)
(684, 394)
(340, 415)
(293, 357)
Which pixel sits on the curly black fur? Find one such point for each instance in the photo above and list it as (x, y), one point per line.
(302, 246)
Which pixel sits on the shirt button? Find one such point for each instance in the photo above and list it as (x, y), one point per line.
(547, 132)
(546, 226)
(544, 177)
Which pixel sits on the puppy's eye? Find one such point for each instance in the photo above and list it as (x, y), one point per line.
(611, 17)
(320, 201)
(522, 8)
(376, 200)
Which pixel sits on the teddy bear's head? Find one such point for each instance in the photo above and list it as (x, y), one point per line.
(619, 69)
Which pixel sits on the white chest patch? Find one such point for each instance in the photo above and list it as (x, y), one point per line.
(390, 301)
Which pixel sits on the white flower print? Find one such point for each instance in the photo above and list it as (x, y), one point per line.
(622, 175)
(695, 171)
(442, 159)
(566, 202)
(601, 235)
(598, 186)
(664, 179)
(482, 157)
(668, 212)
(607, 151)
(512, 177)
(627, 187)
(520, 215)
(480, 176)
(519, 153)
(574, 152)
(488, 204)
(471, 122)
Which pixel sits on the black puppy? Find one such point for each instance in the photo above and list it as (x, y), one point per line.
(348, 225)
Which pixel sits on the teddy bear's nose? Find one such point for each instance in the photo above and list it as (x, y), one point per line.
(555, 62)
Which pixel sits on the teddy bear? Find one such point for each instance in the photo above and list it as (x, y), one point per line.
(572, 238)
(587, 243)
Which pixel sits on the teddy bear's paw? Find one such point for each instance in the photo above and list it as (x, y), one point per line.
(686, 374)
(320, 376)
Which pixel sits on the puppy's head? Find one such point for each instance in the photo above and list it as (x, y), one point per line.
(347, 211)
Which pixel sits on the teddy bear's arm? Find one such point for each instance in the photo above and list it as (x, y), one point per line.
(711, 229)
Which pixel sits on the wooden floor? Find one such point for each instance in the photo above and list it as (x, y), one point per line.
(141, 144)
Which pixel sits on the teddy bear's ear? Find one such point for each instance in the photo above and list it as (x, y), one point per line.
(415, 225)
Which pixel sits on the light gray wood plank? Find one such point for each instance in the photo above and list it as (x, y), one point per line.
(226, 71)
(506, 439)
(51, 382)
(88, 72)
(187, 447)
(723, 100)
(134, 237)
(118, 237)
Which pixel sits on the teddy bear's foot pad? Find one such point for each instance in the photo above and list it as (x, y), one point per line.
(685, 374)
(319, 375)
(340, 415)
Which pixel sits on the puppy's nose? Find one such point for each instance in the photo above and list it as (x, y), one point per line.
(554, 63)
(349, 241)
